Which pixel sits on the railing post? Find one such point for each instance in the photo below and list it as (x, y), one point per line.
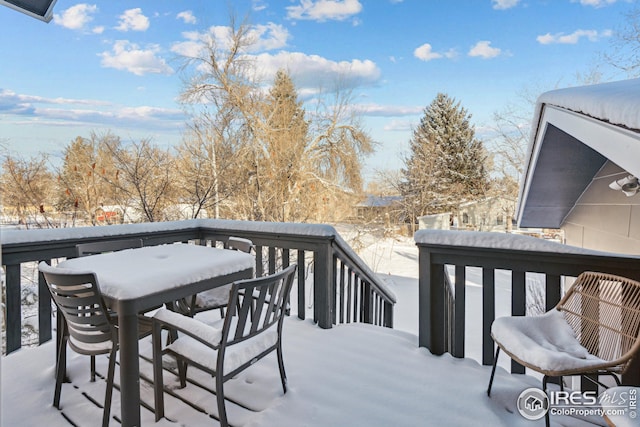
(324, 276)
(431, 316)
(13, 308)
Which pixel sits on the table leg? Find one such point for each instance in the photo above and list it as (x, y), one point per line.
(129, 370)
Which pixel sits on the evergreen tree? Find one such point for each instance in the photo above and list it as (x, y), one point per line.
(446, 164)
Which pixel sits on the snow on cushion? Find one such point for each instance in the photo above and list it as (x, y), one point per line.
(234, 356)
(208, 333)
(546, 342)
(214, 297)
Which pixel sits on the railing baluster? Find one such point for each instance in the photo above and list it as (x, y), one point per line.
(518, 306)
(552, 290)
(341, 292)
(488, 313)
(459, 311)
(44, 311)
(350, 286)
(301, 288)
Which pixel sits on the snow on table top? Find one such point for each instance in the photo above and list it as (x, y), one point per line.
(133, 273)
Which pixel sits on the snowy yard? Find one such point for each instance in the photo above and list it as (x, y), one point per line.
(355, 375)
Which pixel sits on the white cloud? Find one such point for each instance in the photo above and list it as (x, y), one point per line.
(187, 16)
(130, 57)
(264, 37)
(133, 19)
(68, 112)
(387, 110)
(504, 4)
(268, 37)
(258, 5)
(426, 53)
(484, 50)
(573, 38)
(76, 17)
(323, 10)
(398, 126)
(313, 73)
(594, 3)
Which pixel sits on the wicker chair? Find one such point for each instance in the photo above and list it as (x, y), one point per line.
(594, 329)
(249, 332)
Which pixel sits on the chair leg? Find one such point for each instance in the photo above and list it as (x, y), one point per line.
(61, 368)
(109, 392)
(283, 375)
(222, 411)
(93, 368)
(182, 372)
(493, 371)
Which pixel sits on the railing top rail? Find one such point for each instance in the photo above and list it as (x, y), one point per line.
(345, 250)
(504, 242)
(17, 237)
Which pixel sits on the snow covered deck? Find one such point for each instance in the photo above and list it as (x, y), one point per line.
(351, 375)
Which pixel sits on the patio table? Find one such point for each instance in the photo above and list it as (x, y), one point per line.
(133, 281)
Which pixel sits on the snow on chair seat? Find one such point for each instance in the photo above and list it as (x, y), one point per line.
(545, 343)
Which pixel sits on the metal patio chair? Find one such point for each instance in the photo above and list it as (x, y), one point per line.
(95, 248)
(594, 330)
(248, 332)
(216, 298)
(87, 327)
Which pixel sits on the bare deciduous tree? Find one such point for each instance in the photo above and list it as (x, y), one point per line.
(27, 185)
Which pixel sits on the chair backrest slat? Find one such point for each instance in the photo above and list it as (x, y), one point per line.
(604, 313)
(93, 248)
(79, 300)
(254, 316)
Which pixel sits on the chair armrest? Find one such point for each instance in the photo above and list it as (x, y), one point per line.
(196, 329)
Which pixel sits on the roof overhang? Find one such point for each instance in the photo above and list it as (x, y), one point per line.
(568, 148)
(39, 9)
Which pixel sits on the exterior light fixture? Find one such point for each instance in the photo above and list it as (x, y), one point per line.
(628, 185)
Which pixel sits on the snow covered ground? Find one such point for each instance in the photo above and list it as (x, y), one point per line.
(386, 379)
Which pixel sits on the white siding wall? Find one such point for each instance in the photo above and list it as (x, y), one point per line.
(604, 219)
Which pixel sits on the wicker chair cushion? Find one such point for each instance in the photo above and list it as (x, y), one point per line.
(545, 343)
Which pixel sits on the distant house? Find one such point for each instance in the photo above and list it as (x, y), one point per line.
(441, 221)
(490, 214)
(380, 209)
(582, 166)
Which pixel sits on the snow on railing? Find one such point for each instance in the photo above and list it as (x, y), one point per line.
(447, 259)
(332, 279)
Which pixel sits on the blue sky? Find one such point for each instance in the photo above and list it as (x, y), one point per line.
(114, 65)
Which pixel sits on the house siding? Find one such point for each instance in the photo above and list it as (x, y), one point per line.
(605, 219)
